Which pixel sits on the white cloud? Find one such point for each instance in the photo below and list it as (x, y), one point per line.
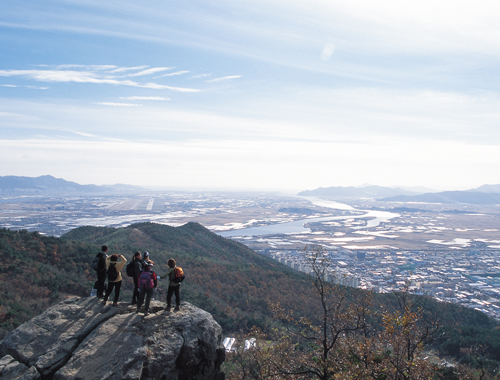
(87, 67)
(84, 77)
(119, 104)
(144, 98)
(397, 85)
(83, 134)
(8, 85)
(10, 114)
(271, 164)
(122, 69)
(200, 76)
(173, 74)
(223, 78)
(38, 87)
(149, 71)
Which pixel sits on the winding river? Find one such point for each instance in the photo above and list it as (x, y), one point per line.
(298, 225)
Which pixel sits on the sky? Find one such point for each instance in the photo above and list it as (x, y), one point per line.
(251, 95)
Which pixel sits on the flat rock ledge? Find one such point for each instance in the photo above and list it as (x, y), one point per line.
(80, 338)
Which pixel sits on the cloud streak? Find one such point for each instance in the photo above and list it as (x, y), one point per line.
(174, 74)
(153, 70)
(119, 104)
(144, 98)
(85, 77)
(221, 79)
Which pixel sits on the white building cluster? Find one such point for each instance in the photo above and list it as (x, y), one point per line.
(467, 277)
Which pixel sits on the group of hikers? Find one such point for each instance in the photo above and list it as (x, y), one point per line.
(141, 270)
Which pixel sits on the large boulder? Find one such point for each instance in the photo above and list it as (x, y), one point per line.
(82, 339)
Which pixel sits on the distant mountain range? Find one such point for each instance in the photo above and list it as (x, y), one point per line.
(49, 184)
(486, 194)
(470, 197)
(357, 192)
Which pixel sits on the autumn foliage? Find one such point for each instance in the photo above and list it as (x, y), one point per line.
(37, 271)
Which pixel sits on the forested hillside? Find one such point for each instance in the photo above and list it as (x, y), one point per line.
(37, 271)
(223, 277)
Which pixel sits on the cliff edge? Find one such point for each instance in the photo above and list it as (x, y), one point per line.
(82, 339)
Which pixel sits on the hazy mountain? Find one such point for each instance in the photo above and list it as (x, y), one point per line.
(418, 189)
(470, 197)
(356, 192)
(50, 184)
(488, 189)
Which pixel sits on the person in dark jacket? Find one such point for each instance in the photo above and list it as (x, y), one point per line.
(137, 265)
(173, 287)
(147, 283)
(101, 271)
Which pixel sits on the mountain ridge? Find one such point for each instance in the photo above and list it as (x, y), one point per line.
(469, 197)
(50, 184)
(486, 194)
(371, 191)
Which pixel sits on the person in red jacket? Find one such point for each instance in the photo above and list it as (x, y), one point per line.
(147, 283)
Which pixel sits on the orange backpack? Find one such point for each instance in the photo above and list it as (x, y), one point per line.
(178, 275)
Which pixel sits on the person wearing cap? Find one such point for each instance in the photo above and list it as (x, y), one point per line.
(147, 283)
(145, 258)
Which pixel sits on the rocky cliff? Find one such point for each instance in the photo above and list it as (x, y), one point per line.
(82, 339)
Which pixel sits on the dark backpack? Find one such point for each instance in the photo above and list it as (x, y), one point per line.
(130, 269)
(178, 275)
(95, 263)
(112, 272)
(146, 280)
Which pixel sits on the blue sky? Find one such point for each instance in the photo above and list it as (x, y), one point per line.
(251, 95)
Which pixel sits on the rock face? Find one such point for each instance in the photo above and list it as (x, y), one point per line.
(82, 339)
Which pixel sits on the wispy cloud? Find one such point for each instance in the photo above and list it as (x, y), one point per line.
(83, 134)
(149, 71)
(119, 104)
(85, 77)
(38, 87)
(144, 98)
(223, 78)
(87, 67)
(122, 69)
(32, 87)
(173, 74)
(200, 76)
(9, 114)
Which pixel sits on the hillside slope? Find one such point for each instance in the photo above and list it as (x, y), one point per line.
(38, 271)
(224, 277)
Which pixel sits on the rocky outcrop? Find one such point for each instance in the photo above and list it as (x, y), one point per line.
(82, 339)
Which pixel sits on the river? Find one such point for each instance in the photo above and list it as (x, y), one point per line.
(298, 225)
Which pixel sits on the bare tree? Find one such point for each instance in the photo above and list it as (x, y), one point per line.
(339, 342)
